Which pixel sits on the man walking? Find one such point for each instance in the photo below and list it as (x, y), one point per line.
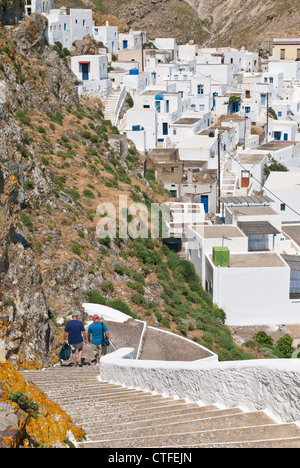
(75, 335)
(96, 332)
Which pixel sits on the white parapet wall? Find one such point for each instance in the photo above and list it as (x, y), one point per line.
(256, 385)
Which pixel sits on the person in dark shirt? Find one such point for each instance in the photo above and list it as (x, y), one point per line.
(75, 335)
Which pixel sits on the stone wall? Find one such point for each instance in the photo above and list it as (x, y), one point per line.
(256, 385)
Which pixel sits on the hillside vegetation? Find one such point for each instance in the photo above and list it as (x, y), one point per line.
(56, 171)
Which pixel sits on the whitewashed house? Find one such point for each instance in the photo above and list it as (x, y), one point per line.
(141, 128)
(250, 170)
(92, 75)
(168, 44)
(286, 187)
(133, 40)
(190, 123)
(38, 6)
(285, 130)
(108, 35)
(67, 25)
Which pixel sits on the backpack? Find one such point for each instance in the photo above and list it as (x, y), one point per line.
(65, 352)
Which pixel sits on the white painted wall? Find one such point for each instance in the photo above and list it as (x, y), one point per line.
(256, 385)
(253, 295)
(67, 28)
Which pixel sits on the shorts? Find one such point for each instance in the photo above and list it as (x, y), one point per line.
(76, 346)
(99, 349)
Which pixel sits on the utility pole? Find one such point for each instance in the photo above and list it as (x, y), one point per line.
(142, 41)
(219, 173)
(267, 132)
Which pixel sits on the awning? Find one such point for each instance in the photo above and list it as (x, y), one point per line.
(257, 227)
(254, 200)
(84, 61)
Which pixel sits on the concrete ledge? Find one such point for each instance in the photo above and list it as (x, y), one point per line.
(257, 385)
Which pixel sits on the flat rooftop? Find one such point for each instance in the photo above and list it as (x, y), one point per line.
(255, 260)
(218, 231)
(276, 145)
(251, 158)
(251, 210)
(293, 231)
(187, 121)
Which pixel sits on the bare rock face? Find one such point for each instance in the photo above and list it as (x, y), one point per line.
(11, 11)
(87, 46)
(25, 331)
(30, 34)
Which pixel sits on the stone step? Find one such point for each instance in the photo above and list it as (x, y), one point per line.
(153, 419)
(191, 439)
(135, 414)
(190, 424)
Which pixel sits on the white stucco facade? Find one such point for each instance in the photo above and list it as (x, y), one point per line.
(68, 25)
(256, 385)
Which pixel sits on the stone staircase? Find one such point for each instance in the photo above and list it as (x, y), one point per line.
(110, 107)
(117, 417)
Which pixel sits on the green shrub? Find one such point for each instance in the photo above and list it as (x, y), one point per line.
(118, 304)
(88, 194)
(25, 403)
(94, 297)
(261, 338)
(138, 299)
(28, 184)
(284, 346)
(23, 117)
(107, 286)
(76, 249)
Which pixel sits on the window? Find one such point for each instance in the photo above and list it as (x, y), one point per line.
(279, 114)
(96, 32)
(201, 107)
(282, 206)
(157, 106)
(282, 54)
(247, 109)
(167, 107)
(271, 79)
(65, 26)
(200, 89)
(277, 136)
(83, 22)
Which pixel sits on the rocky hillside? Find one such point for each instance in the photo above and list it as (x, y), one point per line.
(57, 166)
(209, 22)
(11, 11)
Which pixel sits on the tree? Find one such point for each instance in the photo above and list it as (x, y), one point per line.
(284, 345)
(274, 166)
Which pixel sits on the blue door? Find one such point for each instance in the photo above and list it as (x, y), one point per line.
(125, 44)
(204, 200)
(285, 136)
(165, 128)
(85, 71)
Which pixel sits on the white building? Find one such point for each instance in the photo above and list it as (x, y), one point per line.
(286, 187)
(141, 128)
(167, 44)
(133, 40)
(68, 25)
(250, 170)
(108, 35)
(38, 6)
(91, 71)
